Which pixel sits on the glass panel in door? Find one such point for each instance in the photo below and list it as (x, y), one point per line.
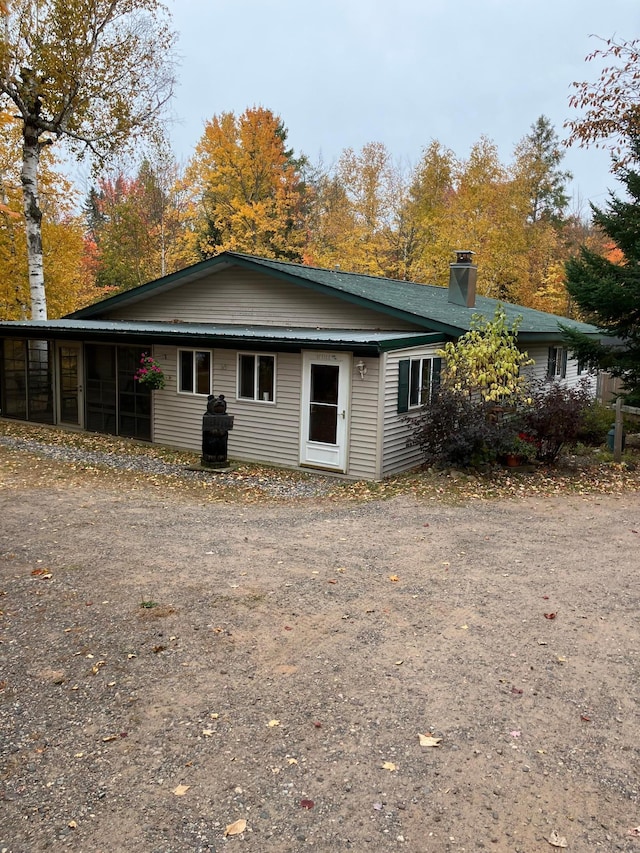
(323, 404)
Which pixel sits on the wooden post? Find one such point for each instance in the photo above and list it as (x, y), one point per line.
(617, 440)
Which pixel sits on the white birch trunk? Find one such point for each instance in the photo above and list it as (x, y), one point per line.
(33, 220)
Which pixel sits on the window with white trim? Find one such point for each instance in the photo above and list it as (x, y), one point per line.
(417, 378)
(194, 371)
(256, 377)
(557, 363)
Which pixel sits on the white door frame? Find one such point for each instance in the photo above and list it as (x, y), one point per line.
(319, 454)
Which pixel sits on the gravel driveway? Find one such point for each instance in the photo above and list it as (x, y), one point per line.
(179, 674)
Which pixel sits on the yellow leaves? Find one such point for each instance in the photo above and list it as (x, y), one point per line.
(236, 828)
(181, 790)
(389, 765)
(428, 740)
(273, 723)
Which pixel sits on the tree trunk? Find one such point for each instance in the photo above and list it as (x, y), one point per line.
(31, 148)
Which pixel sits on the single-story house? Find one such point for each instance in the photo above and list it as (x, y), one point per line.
(319, 367)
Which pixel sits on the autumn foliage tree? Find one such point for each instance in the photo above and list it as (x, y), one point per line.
(247, 188)
(133, 225)
(62, 234)
(94, 74)
(610, 106)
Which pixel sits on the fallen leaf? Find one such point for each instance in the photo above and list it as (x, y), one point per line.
(207, 732)
(515, 733)
(585, 719)
(288, 628)
(72, 824)
(394, 578)
(389, 765)
(516, 691)
(546, 597)
(399, 662)
(307, 804)
(429, 740)
(550, 615)
(273, 723)
(292, 760)
(465, 627)
(181, 790)
(556, 840)
(378, 807)
(332, 580)
(635, 832)
(109, 738)
(318, 725)
(236, 828)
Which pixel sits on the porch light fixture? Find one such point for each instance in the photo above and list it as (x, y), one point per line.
(362, 368)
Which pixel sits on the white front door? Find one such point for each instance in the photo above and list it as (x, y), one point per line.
(326, 379)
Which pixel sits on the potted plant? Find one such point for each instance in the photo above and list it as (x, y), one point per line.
(149, 373)
(521, 449)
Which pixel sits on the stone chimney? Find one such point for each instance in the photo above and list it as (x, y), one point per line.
(462, 280)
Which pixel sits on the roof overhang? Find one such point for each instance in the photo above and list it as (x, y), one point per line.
(263, 338)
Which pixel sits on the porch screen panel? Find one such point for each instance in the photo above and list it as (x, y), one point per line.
(28, 392)
(15, 378)
(100, 388)
(39, 382)
(134, 399)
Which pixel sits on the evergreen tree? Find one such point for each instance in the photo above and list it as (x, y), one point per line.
(607, 289)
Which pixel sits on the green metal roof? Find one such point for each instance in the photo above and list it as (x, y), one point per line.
(210, 334)
(425, 305)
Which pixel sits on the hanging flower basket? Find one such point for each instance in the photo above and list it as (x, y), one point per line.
(149, 373)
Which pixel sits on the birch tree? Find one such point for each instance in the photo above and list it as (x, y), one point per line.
(93, 74)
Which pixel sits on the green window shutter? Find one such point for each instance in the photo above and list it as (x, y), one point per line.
(551, 362)
(564, 362)
(403, 385)
(437, 371)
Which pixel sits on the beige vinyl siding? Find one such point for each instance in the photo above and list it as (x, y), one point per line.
(242, 297)
(266, 432)
(397, 455)
(363, 429)
(538, 371)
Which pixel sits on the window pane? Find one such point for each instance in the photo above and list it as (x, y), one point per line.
(324, 383)
(323, 423)
(247, 383)
(186, 371)
(203, 372)
(415, 383)
(425, 391)
(265, 377)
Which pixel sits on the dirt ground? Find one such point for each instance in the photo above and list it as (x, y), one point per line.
(171, 667)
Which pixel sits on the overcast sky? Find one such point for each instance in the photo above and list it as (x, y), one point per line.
(341, 73)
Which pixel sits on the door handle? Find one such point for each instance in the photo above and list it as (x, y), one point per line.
(344, 414)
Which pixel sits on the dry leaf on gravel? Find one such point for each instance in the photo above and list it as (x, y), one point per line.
(429, 740)
(635, 832)
(556, 840)
(236, 828)
(181, 790)
(273, 723)
(389, 765)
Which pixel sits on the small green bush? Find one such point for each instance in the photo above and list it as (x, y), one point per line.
(596, 423)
